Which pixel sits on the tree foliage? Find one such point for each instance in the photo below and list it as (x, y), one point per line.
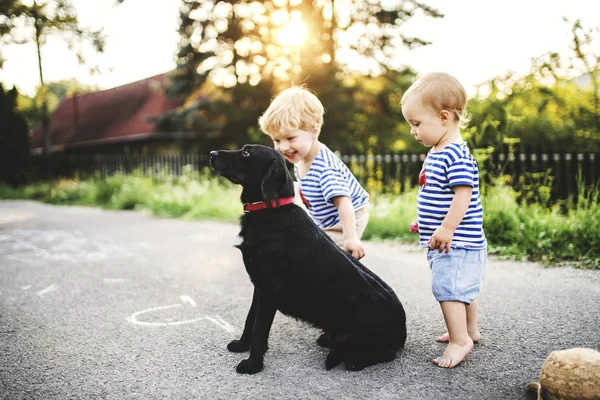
(235, 55)
(240, 41)
(553, 108)
(23, 22)
(10, 10)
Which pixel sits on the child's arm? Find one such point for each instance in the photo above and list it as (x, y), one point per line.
(442, 237)
(352, 244)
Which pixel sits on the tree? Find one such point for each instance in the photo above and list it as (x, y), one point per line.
(588, 60)
(14, 139)
(553, 108)
(38, 21)
(237, 44)
(9, 11)
(237, 41)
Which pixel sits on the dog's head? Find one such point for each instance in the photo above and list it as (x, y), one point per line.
(261, 171)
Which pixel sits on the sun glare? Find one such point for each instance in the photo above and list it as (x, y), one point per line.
(292, 34)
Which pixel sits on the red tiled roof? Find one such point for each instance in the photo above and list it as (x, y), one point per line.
(107, 115)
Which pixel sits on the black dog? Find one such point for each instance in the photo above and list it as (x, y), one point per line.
(297, 269)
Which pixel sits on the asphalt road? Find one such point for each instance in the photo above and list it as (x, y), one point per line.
(119, 305)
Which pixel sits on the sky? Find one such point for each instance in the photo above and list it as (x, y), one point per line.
(476, 40)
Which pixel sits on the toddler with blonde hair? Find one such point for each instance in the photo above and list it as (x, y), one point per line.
(335, 199)
(449, 211)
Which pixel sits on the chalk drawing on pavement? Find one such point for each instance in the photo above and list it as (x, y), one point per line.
(47, 290)
(114, 280)
(15, 217)
(43, 245)
(152, 316)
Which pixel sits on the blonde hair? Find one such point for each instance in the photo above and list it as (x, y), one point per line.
(442, 91)
(292, 109)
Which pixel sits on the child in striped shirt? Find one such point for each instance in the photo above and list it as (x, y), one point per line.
(449, 212)
(335, 199)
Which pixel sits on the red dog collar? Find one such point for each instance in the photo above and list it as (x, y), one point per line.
(261, 205)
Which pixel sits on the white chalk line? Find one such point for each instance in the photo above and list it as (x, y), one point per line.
(40, 245)
(187, 299)
(15, 217)
(221, 323)
(47, 290)
(114, 280)
(133, 317)
(215, 319)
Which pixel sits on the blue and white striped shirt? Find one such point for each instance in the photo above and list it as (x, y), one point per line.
(329, 177)
(452, 166)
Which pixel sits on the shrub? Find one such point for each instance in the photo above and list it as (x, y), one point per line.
(69, 191)
(390, 216)
(133, 192)
(501, 222)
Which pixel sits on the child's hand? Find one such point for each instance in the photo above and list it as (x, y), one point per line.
(441, 239)
(354, 247)
(414, 227)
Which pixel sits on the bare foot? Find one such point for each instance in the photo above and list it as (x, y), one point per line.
(445, 338)
(453, 354)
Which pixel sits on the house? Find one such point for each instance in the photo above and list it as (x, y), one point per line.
(118, 120)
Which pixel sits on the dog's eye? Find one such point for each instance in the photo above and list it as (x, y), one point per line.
(245, 153)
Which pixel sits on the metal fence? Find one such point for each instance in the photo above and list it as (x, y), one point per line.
(104, 165)
(398, 172)
(565, 170)
(385, 173)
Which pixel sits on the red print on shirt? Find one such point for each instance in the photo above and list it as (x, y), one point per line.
(304, 199)
(422, 179)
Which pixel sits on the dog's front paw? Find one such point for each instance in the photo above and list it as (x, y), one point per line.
(238, 346)
(249, 366)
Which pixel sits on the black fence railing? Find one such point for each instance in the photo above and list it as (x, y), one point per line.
(103, 165)
(397, 172)
(563, 170)
(385, 173)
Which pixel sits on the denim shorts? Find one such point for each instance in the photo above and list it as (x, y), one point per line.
(457, 275)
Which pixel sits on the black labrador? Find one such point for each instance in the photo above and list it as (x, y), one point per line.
(297, 269)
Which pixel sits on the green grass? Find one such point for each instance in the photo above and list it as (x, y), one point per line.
(562, 233)
(390, 216)
(192, 196)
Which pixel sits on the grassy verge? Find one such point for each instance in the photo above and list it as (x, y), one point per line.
(564, 233)
(191, 196)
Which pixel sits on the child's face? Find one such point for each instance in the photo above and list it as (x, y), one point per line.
(427, 126)
(294, 145)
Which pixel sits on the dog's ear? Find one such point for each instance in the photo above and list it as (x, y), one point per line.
(274, 182)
